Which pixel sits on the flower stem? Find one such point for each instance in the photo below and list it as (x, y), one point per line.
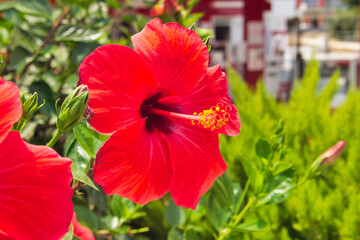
(19, 125)
(225, 232)
(48, 38)
(242, 213)
(242, 197)
(139, 230)
(55, 138)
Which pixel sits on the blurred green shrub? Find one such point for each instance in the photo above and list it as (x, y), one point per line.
(326, 208)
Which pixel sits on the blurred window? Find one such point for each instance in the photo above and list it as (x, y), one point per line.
(222, 33)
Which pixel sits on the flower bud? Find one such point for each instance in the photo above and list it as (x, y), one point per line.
(326, 159)
(30, 106)
(157, 10)
(333, 153)
(73, 109)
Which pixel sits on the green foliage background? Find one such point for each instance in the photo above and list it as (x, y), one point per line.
(325, 208)
(276, 145)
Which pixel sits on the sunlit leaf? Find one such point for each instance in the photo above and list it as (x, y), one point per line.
(121, 207)
(34, 7)
(7, 5)
(74, 33)
(86, 140)
(278, 188)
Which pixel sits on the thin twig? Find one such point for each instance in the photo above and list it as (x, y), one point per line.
(55, 26)
(48, 38)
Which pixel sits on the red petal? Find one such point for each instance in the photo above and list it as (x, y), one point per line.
(35, 193)
(134, 164)
(83, 233)
(118, 80)
(178, 55)
(196, 163)
(4, 237)
(211, 90)
(10, 107)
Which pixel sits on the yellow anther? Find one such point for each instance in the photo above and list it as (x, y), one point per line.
(213, 118)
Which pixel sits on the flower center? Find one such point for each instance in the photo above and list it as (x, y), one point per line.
(213, 118)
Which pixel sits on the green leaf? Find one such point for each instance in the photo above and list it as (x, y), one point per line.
(111, 222)
(262, 148)
(45, 93)
(82, 177)
(255, 177)
(121, 207)
(174, 215)
(81, 51)
(79, 156)
(192, 18)
(250, 226)
(218, 214)
(175, 234)
(86, 217)
(7, 5)
(74, 33)
(278, 188)
(101, 137)
(280, 127)
(69, 235)
(191, 234)
(98, 198)
(280, 167)
(125, 209)
(224, 190)
(19, 58)
(34, 7)
(84, 136)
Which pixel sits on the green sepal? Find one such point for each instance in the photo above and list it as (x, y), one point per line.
(206, 41)
(192, 27)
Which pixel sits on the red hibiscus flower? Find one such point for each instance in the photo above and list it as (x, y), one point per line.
(83, 233)
(164, 108)
(35, 192)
